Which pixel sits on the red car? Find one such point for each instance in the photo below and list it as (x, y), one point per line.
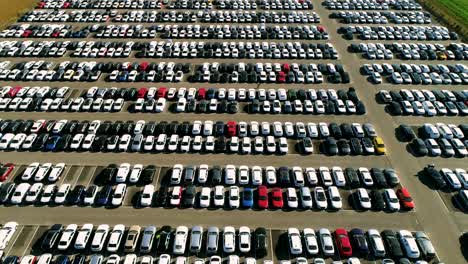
(201, 94)
(142, 92)
(286, 67)
(405, 199)
(262, 197)
(281, 78)
(13, 91)
(321, 28)
(40, 5)
(343, 243)
(5, 171)
(162, 92)
(143, 66)
(26, 33)
(276, 198)
(231, 128)
(66, 5)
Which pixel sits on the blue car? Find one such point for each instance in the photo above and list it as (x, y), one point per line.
(10, 260)
(51, 143)
(62, 259)
(123, 76)
(247, 198)
(104, 196)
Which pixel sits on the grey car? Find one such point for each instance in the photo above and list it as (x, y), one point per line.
(427, 249)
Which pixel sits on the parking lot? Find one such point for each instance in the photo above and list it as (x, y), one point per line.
(435, 212)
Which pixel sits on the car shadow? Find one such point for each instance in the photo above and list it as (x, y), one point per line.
(464, 245)
(425, 179)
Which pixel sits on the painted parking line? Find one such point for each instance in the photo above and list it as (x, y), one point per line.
(33, 237)
(23, 241)
(72, 170)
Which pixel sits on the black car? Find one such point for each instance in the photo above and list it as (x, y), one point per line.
(162, 197)
(40, 142)
(188, 197)
(407, 134)
(379, 178)
(63, 143)
(216, 175)
(76, 195)
(220, 144)
(51, 237)
(356, 146)
(104, 196)
(79, 259)
(367, 143)
(335, 130)
(260, 242)
(418, 147)
(391, 177)
(392, 244)
(6, 191)
(147, 175)
(283, 175)
(377, 200)
(219, 128)
(344, 147)
(107, 174)
(359, 242)
(330, 146)
(347, 130)
(436, 176)
(352, 178)
(163, 239)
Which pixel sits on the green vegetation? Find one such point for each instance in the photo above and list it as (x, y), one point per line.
(453, 13)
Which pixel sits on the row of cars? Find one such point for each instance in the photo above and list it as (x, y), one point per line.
(454, 180)
(114, 4)
(261, 198)
(170, 16)
(420, 33)
(195, 128)
(425, 102)
(255, 50)
(52, 194)
(264, 4)
(176, 31)
(358, 242)
(411, 51)
(417, 74)
(272, 73)
(438, 140)
(382, 17)
(163, 240)
(271, 176)
(27, 31)
(371, 5)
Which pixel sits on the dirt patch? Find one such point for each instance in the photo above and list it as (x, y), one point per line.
(10, 10)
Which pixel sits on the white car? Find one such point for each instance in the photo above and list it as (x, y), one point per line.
(218, 196)
(366, 177)
(393, 204)
(270, 175)
(83, 236)
(30, 171)
(122, 172)
(6, 233)
(146, 197)
(62, 193)
(20, 193)
(243, 174)
(47, 193)
(100, 236)
(363, 198)
(339, 176)
(203, 173)
(119, 194)
(234, 197)
(67, 236)
(320, 198)
(42, 171)
(115, 238)
(335, 198)
(325, 176)
(135, 173)
(326, 242)
(56, 172)
(291, 198)
(230, 174)
(244, 239)
(33, 192)
(409, 244)
(205, 197)
(180, 240)
(311, 244)
(295, 241)
(229, 239)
